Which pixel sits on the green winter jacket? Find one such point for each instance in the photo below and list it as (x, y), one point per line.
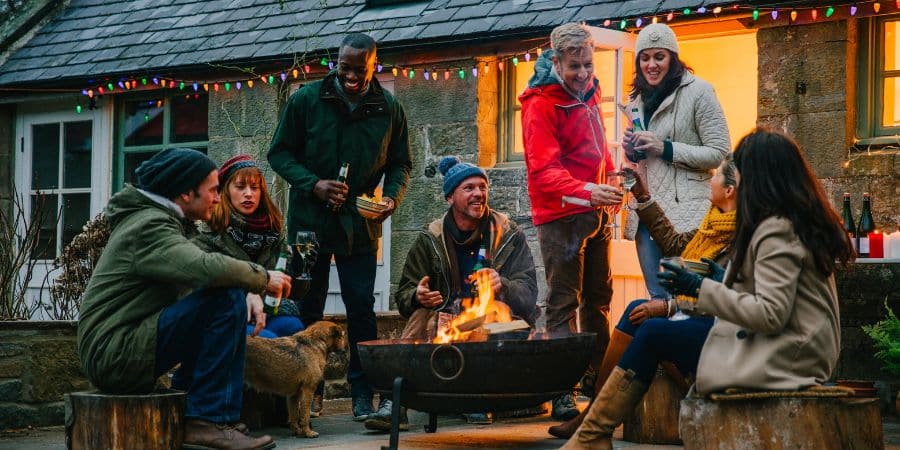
(147, 264)
(316, 135)
(210, 241)
(512, 260)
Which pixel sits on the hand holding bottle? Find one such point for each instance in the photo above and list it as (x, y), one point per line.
(646, 143)
(279, 285)
(331, 191)
(489, 274)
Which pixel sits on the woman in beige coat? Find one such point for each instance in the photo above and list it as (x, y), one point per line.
(684, 137)
(777, 322)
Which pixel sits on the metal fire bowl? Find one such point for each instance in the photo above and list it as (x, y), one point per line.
(464, 377)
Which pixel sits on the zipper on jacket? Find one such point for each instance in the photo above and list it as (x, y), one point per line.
(438, 253)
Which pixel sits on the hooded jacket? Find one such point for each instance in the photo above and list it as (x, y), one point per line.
(565, 144)
(147, 264)
(512, 260)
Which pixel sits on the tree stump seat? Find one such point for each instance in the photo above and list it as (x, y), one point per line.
(814, 419)
(655, 419)
(152, 421)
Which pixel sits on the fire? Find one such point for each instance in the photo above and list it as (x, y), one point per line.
(475, 312)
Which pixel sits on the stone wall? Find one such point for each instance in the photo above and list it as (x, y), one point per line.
(38, 364)
(7, 155)
(822, 56)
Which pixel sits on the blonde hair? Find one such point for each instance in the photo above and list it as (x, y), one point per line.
(570, 38)
(221, 216)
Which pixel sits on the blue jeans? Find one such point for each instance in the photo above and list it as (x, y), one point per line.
(278, 326)
(660, 339)
(204, 331)
(648, 256)
(356, 274)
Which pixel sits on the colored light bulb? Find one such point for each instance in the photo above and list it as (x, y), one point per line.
(271, 79)
(181, 85)
(250, 84)
(717, 10)
(78, 109)
(607, 22)
(227, 86)
(527, 56)
(394, 71)
(670, 16)
(284, 76)
(687, 11)
(515, 61)
(462, 74)
(639, 22)
(774, 14)
(195, 87)
(323, 61)
(295, 73)
(876, 6)
(755, 14)
(379, 67)
(237, 85)
(622, 24)
(474, 71)
(853, 10)
(829, 12)
(701, 10)
(427, 75)
(793, 15)
(412, 73)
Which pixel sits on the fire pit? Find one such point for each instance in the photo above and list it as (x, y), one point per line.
(496, 375)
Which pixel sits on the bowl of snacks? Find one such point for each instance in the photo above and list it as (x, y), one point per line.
(370, 208)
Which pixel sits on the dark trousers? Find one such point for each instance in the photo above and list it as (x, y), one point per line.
(660, 339)
(576, 252)
(205, 332)
(357, 278)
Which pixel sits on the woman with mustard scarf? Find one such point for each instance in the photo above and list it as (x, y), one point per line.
(646, 320)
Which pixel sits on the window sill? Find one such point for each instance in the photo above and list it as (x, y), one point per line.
(509, 165)
(876, 143)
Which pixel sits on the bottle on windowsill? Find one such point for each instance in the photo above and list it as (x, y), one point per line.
(849, 223)
(866, 226)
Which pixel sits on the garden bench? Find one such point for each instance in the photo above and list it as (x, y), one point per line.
(96, 420)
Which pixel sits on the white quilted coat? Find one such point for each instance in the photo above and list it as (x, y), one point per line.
(692, 118)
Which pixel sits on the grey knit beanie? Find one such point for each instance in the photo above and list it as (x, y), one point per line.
(173, 171)
(455, 172)
(656, 35)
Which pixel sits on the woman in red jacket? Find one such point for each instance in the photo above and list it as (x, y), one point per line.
(568, 161)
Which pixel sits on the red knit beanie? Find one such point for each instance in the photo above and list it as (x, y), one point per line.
(232, 165)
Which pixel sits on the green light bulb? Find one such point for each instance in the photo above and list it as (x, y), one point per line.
(462, 73)
(412, 73)
(227, 86)
(271, 79)
(687, 11)
(515, 61)
(144, 81)
(181, 85)
(829, 12)
(146, 117)
(755, 14)
(323, 62)
(78, 109)
(622, 24)
(109, 86)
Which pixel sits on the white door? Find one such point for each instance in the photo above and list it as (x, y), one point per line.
(62, 167)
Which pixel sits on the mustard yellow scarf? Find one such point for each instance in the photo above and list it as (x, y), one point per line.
(715, 233)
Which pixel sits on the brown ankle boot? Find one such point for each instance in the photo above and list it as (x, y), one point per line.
(618, 343)
(618, 397)
(204, 435)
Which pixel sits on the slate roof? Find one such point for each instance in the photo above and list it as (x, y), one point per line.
(108, 37)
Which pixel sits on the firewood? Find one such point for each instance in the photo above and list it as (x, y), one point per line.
(505, 327)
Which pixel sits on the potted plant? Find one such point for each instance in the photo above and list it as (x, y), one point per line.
(886, 337)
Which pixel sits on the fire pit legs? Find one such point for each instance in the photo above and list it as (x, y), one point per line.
(432, 423)
(395, 416)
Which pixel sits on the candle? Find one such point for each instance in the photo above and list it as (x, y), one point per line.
(876, 244)
(894, 244)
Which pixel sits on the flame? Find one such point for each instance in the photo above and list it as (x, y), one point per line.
(483, 306)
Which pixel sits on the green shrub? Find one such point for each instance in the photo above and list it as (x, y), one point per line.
(886, 334)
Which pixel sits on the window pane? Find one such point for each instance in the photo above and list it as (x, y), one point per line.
(190, 118)
(132, 161)
(45, 156)
(143, 122)
(76, 212)
(892, 45)
(77, 154)
(46, 206)
(891, 114)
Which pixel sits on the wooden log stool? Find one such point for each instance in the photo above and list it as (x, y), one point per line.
(820, 419)
(263, 409)
(96, 420)
(655, 419)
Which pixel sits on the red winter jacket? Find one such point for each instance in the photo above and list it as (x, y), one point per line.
(565, 148)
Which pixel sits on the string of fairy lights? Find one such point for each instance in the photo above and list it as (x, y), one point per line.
(774, 14)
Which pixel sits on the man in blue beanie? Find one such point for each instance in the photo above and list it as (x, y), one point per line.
(156, 300)
(470, 242)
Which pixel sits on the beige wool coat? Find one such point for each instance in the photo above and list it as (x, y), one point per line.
(778, 326)
(692, 118)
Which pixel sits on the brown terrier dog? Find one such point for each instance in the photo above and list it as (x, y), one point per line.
(292, 366)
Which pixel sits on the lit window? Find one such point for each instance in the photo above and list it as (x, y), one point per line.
(879, 79)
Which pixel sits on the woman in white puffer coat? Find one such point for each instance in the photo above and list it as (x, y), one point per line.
(684, 138)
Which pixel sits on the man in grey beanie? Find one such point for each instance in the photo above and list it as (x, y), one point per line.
(470, 242)
(156, 300)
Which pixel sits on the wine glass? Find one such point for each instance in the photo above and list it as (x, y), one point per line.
(678, 261)
(305, 248)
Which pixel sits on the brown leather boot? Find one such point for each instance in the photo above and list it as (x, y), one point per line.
(204, 435)
(618, 343)
(618, 397)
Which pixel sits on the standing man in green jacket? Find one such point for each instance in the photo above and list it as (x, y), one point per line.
(345, 118)
(156, 300)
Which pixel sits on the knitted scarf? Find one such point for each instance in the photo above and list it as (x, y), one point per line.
(252, 233)
(453, 237)
(715, 234)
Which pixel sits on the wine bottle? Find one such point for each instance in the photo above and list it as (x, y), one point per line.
(636, 123)
(849, 223)
(271, 301)
(866, 226)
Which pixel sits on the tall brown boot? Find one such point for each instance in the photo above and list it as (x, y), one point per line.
(614, 351)
(618, 397)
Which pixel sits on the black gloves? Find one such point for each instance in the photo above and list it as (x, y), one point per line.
(716, 272)
(679, 280)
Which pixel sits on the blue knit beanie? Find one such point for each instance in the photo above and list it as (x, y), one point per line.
(455, 171)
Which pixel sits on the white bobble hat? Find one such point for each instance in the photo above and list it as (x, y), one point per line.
(656, 35)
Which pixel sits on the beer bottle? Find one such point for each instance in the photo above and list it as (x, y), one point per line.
(849, 223)
(271, 301)
(866, 226)
(636, 124)
(341, 178)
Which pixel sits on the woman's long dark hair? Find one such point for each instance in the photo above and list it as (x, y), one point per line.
(775, 180)
(653, 96)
